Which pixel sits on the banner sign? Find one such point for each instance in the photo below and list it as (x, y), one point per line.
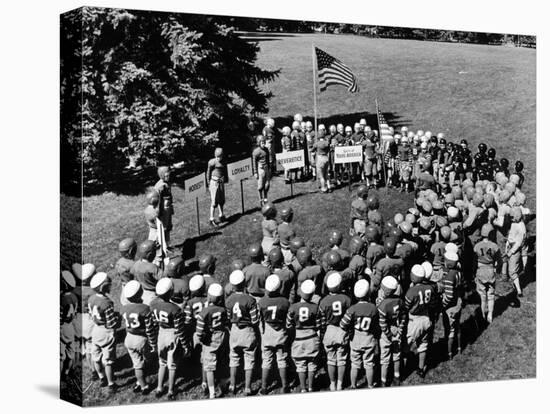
(348, 154)
(240, 170)
(291, 159)
(195, 185)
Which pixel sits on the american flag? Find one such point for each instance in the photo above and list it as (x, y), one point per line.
(333, 72)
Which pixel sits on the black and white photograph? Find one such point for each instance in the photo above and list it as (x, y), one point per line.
(254, 206)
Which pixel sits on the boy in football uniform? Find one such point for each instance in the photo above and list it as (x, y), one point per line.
(296, 244)
(140, 331)
(404, 156)
(375, 251)
(288, 144)
(339, 141)
(304, 320)
(420, 304)
(391, 160)
(425, 180)
(236, 264)
(215, 178)
(166, 206)
(105, 319)
(286, 233)
(212, 324)
(269, 227)
(273, 313)
(68, 309)
(335, 240)
(256, 273)
(123, 267)
(174, 270)
(437, 252)
(192, 309)
(83, 324)
(393, 320)
(518, 167)
(452, 302)
(356, 139)
(357, 262)
(170, 321)
(514, 245)
(390, 265)
(362, 319)
(207, 267)
(310, 270)
(242, 312)
(488, 256)
(373, 204)
(287, 278)
(298, 138)
(335, 339)
(270, 132)
(151, 214)
(146, 272)
(261, 168)
(358, 213)
(311, 138)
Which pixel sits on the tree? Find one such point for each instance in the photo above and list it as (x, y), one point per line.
(155, 87)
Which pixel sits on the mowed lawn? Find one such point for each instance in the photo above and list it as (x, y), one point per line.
(480, 93)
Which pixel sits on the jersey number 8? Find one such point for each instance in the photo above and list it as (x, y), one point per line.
(303, 314)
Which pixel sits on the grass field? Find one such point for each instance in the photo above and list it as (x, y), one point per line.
(467, 91)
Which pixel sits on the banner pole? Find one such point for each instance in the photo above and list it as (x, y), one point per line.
(242, 197)
(198, 219)
(349, 176)
(314, 86)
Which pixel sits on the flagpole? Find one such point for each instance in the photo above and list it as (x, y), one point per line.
(314, 87)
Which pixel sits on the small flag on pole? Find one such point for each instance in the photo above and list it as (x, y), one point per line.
(333, 72)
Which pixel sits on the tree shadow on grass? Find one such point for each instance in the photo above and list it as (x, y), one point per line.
(189, 246)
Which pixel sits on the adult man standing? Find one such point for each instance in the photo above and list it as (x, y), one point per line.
(261, 168)
(215, 178)
(514, 245)
(357, 139)
(322, 148)
(370, 152)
